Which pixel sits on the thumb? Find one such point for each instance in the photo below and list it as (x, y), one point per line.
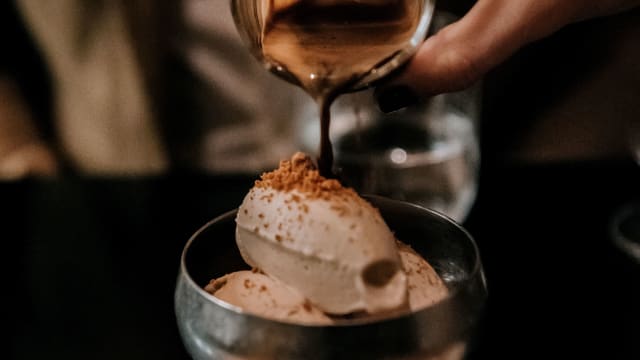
(461, 53)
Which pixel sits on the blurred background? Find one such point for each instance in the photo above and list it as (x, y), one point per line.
(139, 88)
(126, 125)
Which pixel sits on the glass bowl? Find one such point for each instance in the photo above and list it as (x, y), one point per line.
(213, 329)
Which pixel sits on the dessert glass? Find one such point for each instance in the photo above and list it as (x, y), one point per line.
(248, 16)
(213, 329)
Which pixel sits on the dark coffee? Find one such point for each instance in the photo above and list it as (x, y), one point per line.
(327, 45)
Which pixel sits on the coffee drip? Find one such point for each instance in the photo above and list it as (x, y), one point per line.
(325, 46)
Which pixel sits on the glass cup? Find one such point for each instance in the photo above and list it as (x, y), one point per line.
(625, 222)
(625, 230)
(251, 19)
(213, 329)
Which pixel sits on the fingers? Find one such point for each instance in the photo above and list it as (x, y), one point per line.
(461, 53)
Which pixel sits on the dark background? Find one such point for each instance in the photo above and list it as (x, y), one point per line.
(90, 263)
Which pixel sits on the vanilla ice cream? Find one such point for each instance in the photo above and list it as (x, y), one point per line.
(424, 285)
(262, 295)
(318, 246)
(321, 239)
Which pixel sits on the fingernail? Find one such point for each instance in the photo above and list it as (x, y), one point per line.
(394, 98)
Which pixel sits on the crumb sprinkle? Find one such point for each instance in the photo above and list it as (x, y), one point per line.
(300, 173)
(248, 284)
(215, 285)
(307, 306)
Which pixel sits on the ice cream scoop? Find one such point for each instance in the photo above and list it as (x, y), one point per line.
(262, 295)
(322, 239)
(423, 283)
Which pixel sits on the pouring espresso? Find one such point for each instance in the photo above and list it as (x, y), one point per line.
(329, 47)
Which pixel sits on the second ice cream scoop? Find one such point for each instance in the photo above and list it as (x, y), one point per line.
(262, 295)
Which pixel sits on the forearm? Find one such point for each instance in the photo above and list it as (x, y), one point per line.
(511, 24)
(488, 34)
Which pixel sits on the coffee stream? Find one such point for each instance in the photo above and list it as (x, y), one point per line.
(328, 45)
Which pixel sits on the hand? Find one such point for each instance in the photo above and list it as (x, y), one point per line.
(461, 53)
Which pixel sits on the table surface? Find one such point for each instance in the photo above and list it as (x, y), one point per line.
(91, 263)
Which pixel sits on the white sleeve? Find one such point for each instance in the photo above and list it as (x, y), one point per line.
(103, 116)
